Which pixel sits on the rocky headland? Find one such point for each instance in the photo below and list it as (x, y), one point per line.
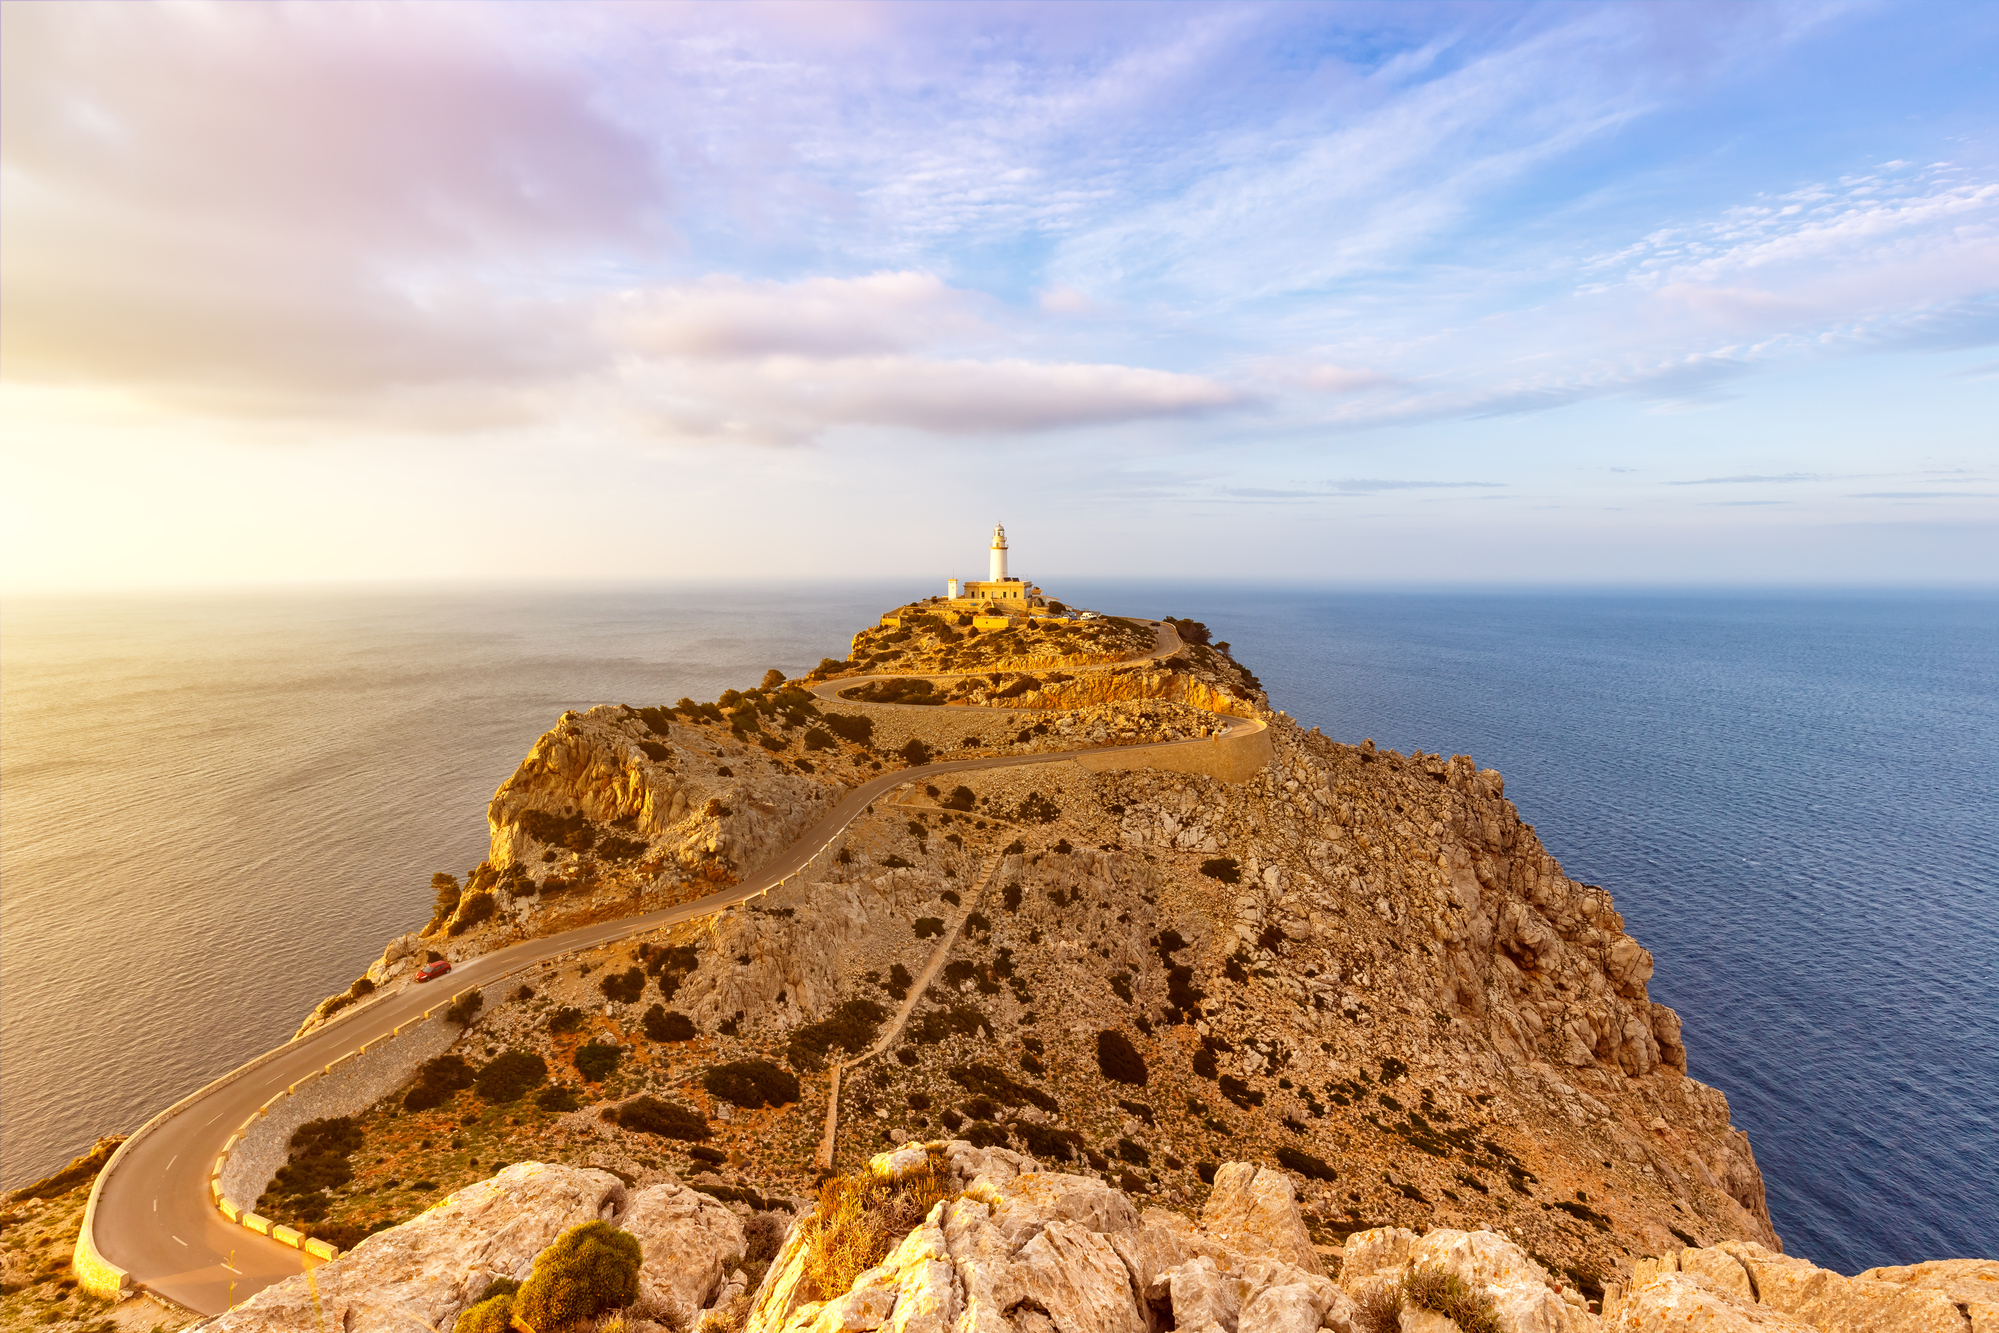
(1101, 1045)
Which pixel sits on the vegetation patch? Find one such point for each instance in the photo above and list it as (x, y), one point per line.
(985, 1081)
(1119, 1059)
(623, 987)
(596, 1059)
(509, 1076)
(669, 1120)
(849, 1028)
(1223, 868)
(589, 1270)
(848, 727)
(1306, 1165)
(663, 1024)
(751, 1083)
(1447, 1294)
(436, 1081)
(572, 831)
(1037, 809)
(862, 1216)
(317, 1163)
(959, 1020)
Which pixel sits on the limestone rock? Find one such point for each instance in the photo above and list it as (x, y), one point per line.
(1255, 1210)
(689, 1241)
(1674, 1302)
(429, 1269)
(1972, 1284)
(1524, 1298)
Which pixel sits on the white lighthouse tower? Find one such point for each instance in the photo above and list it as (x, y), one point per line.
(999, 554)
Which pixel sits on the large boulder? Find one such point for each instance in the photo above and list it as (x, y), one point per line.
(1673, 1302)
(689, 1241)
(1525, 1299)
(1022, 1250)
(429, 1269)
(1971, 1284)
(1745, 1282)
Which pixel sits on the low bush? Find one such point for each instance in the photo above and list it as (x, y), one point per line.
(465, 1008)
(1223, 868)
(557, 1098)
(850, 1028)
(899, 981)
(751, 1083)
(590, 1269)
(318, 1161)
(1119, 1059)
(472, 909)
(1240, 1092)
(624, 987)
(596, 1059)
(1447, 1294)
(669, 1120)
(1306, 1165)
(914, 753)
(623, 849)
(1046, 1143)
(859, 730)
(1038, 809)
(926, 926)
(861, 1217)
(571, 831)
(436, 1081)
(894, 862)
(961, 798)
(985, 1081)
(662, 1024)
(818, 738)
(959, 1020)
(494, 1314)
(510, 1075)
(566, 1019)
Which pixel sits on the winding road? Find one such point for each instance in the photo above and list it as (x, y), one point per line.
(150, 1213)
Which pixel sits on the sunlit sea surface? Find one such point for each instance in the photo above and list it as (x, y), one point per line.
(213, 810)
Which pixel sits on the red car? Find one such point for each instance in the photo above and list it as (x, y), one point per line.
(436, 969)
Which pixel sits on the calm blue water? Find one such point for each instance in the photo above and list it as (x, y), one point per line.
(1790, 796)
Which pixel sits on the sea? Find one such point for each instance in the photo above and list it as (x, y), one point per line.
(215, 808)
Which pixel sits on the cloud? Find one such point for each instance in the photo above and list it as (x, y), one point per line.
(1357, 487)
(726, 316)
(1786, 477)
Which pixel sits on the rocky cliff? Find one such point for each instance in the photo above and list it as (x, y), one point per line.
(1358, 969)
(949, 1236)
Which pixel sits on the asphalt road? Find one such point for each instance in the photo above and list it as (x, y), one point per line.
(154, 1217)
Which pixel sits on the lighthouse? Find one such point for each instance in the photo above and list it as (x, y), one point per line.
(1001, 594)
(999, 554)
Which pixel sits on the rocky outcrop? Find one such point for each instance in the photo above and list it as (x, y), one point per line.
(690, 1241)
(642, 780)
(1022, 1250)
(1743, 1285)
(1523, 1296)
(430, 1269)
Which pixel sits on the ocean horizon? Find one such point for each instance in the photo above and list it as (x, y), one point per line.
(218, 805)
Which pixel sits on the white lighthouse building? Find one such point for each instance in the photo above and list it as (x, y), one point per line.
(1001, 593)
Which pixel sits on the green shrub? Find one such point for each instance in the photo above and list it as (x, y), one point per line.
(495, 1314)
(572, 831)
(926, 926)
(596, 1059)
(557, 1098)
(318, 1161)
(818, 738)
(1119, 1059)
(663, 1024)
(850, 1028)
(914, 753)
(1046, 1143)
(566, 1019)
(1223, 868)
(859, 730)
(961, 798)
(899, 981)
(960, 1020)
(1240, 1092)
(473, 909)
(670, 1120)
(510, 1075)
(436, 1081)
(589, 1270)
(1305, 1164)
(985, 1081)
(465, 1008)
(1038, 809)
(624, 987)
(894, 862)
(751, 1083)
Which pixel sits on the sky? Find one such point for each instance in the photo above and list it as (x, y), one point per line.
(1361, 293)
